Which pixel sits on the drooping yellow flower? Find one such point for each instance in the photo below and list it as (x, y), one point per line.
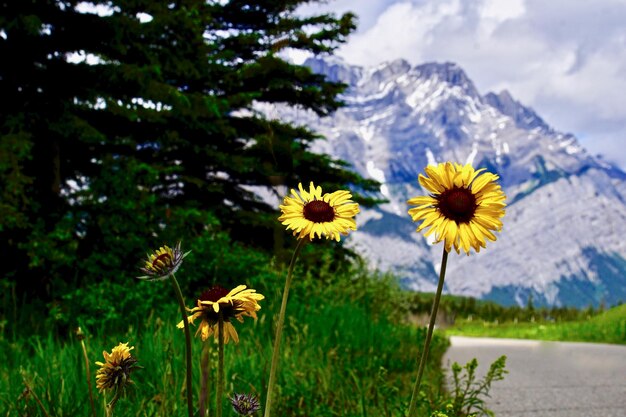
(116, 369)
(464, 206)
(163, 262)
(235, 304)
(310, 214)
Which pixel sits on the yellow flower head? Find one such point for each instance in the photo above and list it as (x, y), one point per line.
(464, 206)
(116, 369)
(312, 214)
(235, 304)
(163, 262)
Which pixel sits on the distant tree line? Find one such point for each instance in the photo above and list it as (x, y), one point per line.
(454, 308)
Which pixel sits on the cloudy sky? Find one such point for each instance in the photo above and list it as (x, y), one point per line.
(564, 58)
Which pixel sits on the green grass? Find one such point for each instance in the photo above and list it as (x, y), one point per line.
(339, 359)
(607, 327)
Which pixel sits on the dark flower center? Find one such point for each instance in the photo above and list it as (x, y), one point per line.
(228, 310)
(165, 258)
(214, 293)
(458, 204)
(319, 211)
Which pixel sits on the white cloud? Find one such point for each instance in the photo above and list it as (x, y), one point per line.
(402, 27)
(564, 58)
(500, 11)
(493, 12)
(368, 11)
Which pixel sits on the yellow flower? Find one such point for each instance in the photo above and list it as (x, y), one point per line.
(116, 369)
(163, 262)
(235, 304)
(311, 213)
(464, 206)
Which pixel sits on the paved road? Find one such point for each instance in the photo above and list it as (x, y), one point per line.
(550, 379)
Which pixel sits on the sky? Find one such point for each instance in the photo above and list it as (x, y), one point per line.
(566, 59)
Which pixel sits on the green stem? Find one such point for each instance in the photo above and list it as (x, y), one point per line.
(91, 403)
(220, 364)
(111, 405)
(205, 369)
(183, 311)
(279, 330)
(37, 400)
(429, 334)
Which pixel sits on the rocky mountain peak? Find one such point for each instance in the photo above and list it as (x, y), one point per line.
(449, 73)
(388, 71)
(335, 69)
(524, 117)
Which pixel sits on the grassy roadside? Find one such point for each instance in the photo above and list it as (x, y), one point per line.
(345, 364)
(346, 352)
(607, 327)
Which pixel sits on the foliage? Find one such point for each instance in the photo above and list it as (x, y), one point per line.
(468, 392)
(113, 304)
(120, 132)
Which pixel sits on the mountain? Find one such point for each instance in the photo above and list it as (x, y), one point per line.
(563, 237)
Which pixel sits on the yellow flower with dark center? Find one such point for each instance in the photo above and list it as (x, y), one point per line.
(163, 262)
(310, 214)
(464, 206)
(234, 304)
(116, 369)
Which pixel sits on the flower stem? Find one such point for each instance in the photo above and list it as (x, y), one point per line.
(205, 369)
(30, 391)
(91, 403)
(220, 364)
(111, 406)
(429, 334)
(279, 330)
(181, 304)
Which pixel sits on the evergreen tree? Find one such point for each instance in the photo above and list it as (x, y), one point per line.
(128, 123)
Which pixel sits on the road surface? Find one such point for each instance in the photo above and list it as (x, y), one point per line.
(549, 379)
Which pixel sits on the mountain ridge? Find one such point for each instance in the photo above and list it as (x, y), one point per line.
(566, 208)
